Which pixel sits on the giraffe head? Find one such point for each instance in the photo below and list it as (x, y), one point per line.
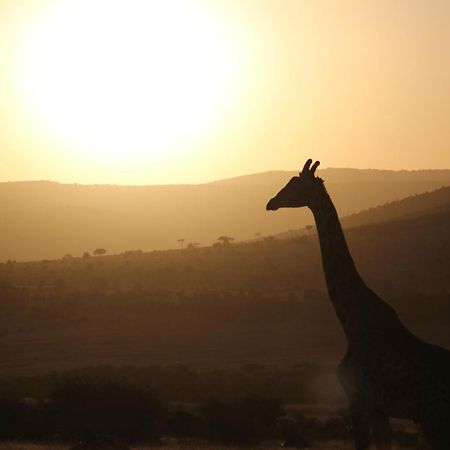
(300, 191)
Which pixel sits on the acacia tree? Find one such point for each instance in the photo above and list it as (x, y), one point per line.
(181, 241)
(225, 240)
(99, 251)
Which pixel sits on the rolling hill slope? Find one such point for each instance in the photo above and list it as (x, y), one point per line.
(409, 207)
(262, 302)
(48, 220)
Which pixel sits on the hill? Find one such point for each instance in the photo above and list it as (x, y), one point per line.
(263, 302)
(48, 220)
(336, 175)
(409, 207)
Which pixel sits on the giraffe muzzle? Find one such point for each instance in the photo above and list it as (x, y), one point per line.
(272, 206)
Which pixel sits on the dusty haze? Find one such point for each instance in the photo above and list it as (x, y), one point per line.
(50, 220)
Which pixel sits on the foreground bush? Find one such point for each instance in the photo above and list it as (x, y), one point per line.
(24, 419)
(251, 419)
(87, 407)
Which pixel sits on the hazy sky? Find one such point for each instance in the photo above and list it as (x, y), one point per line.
(133, 92)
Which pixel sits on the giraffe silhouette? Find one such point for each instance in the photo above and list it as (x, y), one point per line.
(387, 371)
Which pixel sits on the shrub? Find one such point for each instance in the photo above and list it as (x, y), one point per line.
(182, 423)
(13, 416)
(21, 419)
(86, 407)
(250, 419)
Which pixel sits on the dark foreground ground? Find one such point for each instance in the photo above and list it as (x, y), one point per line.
(329, 445)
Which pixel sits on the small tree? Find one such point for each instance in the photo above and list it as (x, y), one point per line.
(225, 240)
(181, 241)
(99, 251)
(86, 255)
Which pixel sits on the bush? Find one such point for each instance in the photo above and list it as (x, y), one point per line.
(251, 419)
(86, 407)
(182, 423)
(13, 417)
(22, 419)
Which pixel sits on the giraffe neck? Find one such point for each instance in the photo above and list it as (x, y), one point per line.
(342, 279)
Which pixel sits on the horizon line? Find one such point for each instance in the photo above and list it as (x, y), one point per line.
(218, 180)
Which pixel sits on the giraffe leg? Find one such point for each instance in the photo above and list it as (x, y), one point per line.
(381, 430)
(361, 427)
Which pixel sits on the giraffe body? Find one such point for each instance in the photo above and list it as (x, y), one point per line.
(387, 371)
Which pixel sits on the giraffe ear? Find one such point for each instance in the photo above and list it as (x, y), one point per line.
(314, 167)
(305, 169)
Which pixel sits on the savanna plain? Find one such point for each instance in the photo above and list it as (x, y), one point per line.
(217, 345)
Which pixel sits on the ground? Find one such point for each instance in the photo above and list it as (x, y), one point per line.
(335, 445)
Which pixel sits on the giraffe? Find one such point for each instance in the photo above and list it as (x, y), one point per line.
(386, 371)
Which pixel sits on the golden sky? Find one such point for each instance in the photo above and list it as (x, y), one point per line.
(187, 91)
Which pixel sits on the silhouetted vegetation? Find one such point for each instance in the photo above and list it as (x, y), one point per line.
(179, 383)
(86, 406)
(252, 418)
(107, 405)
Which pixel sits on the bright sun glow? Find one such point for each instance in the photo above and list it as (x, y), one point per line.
(126, 80)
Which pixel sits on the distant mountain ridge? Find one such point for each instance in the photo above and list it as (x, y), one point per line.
(332, 175)
(45, 219)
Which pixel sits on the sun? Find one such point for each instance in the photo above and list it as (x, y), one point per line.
(129, 80)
